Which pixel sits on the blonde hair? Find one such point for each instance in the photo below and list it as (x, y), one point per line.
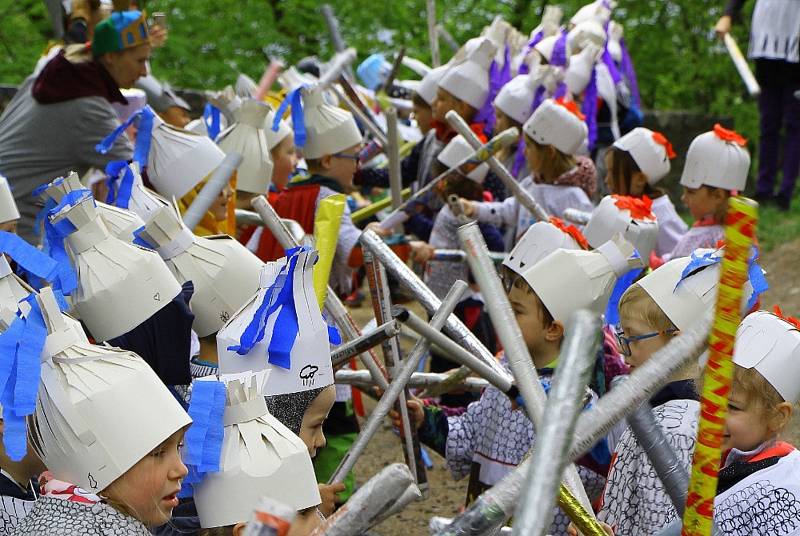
(756, 389)
(637, 304)
(559, 164)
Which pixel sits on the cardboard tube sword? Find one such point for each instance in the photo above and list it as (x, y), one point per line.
(393, 153)
(740, 62)
(342, 354)
(396, 387)
(361, 379)
(523, 197)
(577, 216)
(433, 36)
(333, 28)
(210, 191)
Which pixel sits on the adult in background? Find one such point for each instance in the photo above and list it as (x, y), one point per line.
(775, 47)
(53, 123)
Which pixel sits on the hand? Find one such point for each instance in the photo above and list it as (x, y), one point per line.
(416, 414)
(328, 495)
(158, 36)
(421, 252)
(723, 26)
(376, 226)
(468, 207)
(572, 531)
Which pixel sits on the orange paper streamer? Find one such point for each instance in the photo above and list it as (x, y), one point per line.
(740, 225)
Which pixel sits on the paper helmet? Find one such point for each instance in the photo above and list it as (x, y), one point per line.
(247, 137)
(100, 409)
(374, 71)
(137, 99)
(245, 86)
(179, 160)
(598, 11)
(142, 201)
(614, 46)
(291, 79)
(12, 291)
(555, 124)
(275, 138)
(8, 207)
(718, 158)
(650, 150)
(329, 130)
(580, 68)
(568, 280)
(260, 457)
(630, 216)
(430, 84)
(299, 359)
(545, 47)
(224, 272)
(112, 272)
(771, 345)
(160, 96)
(586, 33)
(469, 81)
(455, 152)
(541, 239)
(515, 99)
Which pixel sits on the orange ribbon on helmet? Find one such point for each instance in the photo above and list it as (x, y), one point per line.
(640, 208)
(790, 319)
(660, 139)
(571, 230)
(729, 135)
(572, 107)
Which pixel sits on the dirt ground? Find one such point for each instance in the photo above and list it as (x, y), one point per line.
(447, 496)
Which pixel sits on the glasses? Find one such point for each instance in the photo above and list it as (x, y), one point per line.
(624, 342)
(354, 157)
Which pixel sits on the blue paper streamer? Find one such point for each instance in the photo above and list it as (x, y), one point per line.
(119, 197)
(757, 279)
(66, 279)
(203, 440)
(623, 283)
(589, 108)
(212, 120)
(697, 262)
(143, 136)
(295, 99)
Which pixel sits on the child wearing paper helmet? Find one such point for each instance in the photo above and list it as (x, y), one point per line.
(559, 180)
(716, 168)
(673, 298)
(635, 164)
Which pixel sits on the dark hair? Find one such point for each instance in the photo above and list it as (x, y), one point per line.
(419, 101)
(623, 167)
(462, 187)
(217, 531)
(519, 282)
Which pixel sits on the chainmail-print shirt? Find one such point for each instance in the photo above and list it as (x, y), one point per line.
(634, 501)
(57, 517)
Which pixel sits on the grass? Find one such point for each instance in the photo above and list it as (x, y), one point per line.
(776, 227)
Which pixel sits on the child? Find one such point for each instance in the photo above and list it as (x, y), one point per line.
(103, 421)
(671, 299)
(331, 152)
(283, 152)
(553, 134)
(635, 164)
(716, 168)
(9, 215)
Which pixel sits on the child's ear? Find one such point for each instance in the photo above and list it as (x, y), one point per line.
(326, 161)
(554, 332)
(238, 529)
(781, 415)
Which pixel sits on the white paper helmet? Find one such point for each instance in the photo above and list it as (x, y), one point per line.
(554, 123)
(111, 272)
(275, 137)
(12, 291)
(224, 272)
(515, 99)
(454, 154)
(247, 137)
(309, 358)
(291, 79)
(100, 409)
(469, 81)
(329, 130)
(771, 345)
(650, 150)
(615, 32)
(546, 46)
(8, 207)
(630, 216)
(143, 201)
(179, 160)
(137, 99)
(717, 158)
(589, 32)
(541, 239)
(430, 84)
(598, 11)
(260, 457)
(568, 280)
(580, 68)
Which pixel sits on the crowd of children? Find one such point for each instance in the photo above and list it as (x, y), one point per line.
(165, 364)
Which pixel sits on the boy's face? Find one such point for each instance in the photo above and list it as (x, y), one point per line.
(342, 166)
(704, 201)
(641, 350)
(747, 425)
(284, 160)
(444, 102)
(530, 317)
(424, 116)
(313, 419)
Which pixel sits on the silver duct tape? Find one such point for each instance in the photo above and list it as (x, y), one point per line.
(418, 380)
(534, 514)
(362, 117)
(454, 328)
(455, 207)
(451, 349)
(211, 190)
(333, 304)
(409, 495)
(577, 216)
(453, 381)
(437, 524)
(393, 153)
(339, 63)
(363, 509)
(457, 255)
(523, 197)
(433, 36)
(396, 387)
(482, 517)
(369, 339)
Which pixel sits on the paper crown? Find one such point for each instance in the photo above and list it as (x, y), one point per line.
(274, 138)
(430, 84)
(771, 345)
(469, 81)
(224, 272)
(329, 130)
(122, 30)
(246, 137)
(281, 329)
(541, 239)
(717, 158)
(568, 280)
(454, 154)
(586, 33)
(99, 410)
(110, 272)
(160, 96)
(8, 207)
(598, 11)
(630, 216)
(374, 71)
(127, 190)
(179, 160)
(260, 457)
(515, 99)
(685, 288)
(554, 124)
(650, 150)
(137, 99)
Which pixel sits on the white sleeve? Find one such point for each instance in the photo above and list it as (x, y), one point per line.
(498, 213)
